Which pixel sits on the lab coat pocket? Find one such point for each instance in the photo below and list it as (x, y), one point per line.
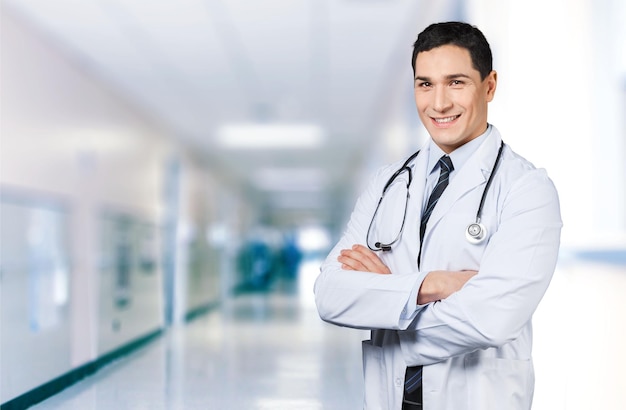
(375, 374)
(496, 383)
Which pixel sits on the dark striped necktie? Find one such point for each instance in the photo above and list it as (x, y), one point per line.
(445, 167)
(413, 377)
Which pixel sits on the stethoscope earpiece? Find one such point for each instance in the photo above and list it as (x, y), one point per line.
(475, 233)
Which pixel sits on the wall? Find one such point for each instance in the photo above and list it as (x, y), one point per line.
(83, 183)
(560, 104)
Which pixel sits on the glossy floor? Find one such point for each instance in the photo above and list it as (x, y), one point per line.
(271, 351)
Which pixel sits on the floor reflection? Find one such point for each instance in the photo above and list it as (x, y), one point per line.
(260, 350)
(270, 350)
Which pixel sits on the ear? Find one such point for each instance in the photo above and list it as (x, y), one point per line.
(491, 82)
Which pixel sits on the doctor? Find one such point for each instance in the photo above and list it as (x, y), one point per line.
(448, 264)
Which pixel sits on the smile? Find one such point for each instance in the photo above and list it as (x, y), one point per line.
(445, 120)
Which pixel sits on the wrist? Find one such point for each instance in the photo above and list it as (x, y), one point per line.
(429, 290)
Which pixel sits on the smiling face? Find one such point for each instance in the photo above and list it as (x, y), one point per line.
(450, 96)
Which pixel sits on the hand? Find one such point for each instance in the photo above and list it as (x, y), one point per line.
(440, 284)
(363, 259)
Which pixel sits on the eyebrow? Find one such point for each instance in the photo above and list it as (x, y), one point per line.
(447, 77)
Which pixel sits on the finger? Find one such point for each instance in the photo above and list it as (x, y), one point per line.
(362, 259)
(370, 259)
(351, 260)
(365, 254)
(355, 260)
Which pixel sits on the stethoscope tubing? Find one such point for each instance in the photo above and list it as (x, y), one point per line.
(472, 237)
(489, 180)
(405, 167)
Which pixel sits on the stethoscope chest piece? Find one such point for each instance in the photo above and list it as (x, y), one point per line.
(475, 233)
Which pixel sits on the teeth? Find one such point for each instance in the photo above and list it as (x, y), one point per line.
(447, 119)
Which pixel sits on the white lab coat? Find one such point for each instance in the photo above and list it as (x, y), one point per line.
(475, 345)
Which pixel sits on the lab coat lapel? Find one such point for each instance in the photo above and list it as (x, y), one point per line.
(419, 178)
(474, 173)
(416, 199)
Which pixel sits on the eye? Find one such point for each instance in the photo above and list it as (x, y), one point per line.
(456, 83)
(423, 84)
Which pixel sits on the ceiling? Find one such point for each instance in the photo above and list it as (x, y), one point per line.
(202, 66)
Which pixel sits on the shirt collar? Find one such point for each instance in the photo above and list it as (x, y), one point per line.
(459, 156)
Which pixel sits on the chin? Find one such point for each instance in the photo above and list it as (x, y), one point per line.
(449, 144)
(445, 137)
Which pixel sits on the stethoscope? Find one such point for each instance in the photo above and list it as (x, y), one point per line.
(475, 233)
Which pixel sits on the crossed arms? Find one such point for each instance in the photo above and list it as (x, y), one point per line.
(477, 310)
(437, 285)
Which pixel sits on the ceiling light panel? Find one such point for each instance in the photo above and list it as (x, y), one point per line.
(270, 136)
(290, 179)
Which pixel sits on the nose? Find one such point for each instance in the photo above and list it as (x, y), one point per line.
(441, 102)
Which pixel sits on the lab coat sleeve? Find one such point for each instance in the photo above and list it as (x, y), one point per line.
(515, 270)
(364, 300)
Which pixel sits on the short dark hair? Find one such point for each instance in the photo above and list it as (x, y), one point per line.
(458, 34)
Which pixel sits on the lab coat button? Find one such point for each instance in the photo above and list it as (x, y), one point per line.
(398, 381)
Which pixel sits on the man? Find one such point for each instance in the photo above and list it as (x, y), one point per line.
(449, 305)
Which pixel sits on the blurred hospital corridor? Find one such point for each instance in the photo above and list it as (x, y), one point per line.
(258, 351)
(173, 173)
(269, 350)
